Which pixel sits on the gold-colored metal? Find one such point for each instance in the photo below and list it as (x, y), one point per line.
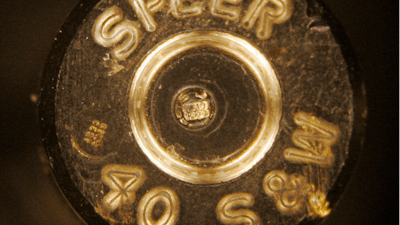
(123, 181)
(96, 133)
(233, 165)
(146, 205)
(180, 8)
(204, 104)
(228, 212)
(85, 154)
(267, 13)
(315, 138)
(317, 204)
(289, 192)
(111, 30)
(144, 11)
(218, 8)
(293, 194)
(194, 107)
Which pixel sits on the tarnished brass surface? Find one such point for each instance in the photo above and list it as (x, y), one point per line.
(202, 112)
(234, 164)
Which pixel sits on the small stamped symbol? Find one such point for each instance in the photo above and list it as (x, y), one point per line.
(194, 107)
(197, 110)
(96, 133)
(123, 182)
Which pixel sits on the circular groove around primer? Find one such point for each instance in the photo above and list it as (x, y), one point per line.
(242, 50)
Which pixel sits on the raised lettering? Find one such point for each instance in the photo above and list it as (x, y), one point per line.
(146, 206)
(144, 12)
(109, 29)
(219, 9)
(179, 11)
(267, 12)
(315, 139)
(228, 211)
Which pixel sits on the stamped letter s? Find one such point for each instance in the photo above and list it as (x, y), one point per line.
(110, 28)
(228, 213)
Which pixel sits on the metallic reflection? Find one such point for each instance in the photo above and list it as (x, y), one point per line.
(258, 65)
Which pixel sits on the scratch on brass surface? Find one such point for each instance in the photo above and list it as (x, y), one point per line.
(112, 64)
(76, 146)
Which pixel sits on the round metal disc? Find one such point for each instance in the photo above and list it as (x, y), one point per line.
(201, 112)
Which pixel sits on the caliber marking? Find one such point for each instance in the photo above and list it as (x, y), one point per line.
(109, 29)
(315, 138)
(123, 182)
(219, 9)
(146, 206)
(228, 212)
(96, 132)
(293, 194)
(180, 11)
(267, 12)
(144, 12)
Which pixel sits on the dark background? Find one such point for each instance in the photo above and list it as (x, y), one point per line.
(28, 194)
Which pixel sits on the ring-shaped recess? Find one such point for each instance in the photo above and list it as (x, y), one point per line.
(258, 65)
